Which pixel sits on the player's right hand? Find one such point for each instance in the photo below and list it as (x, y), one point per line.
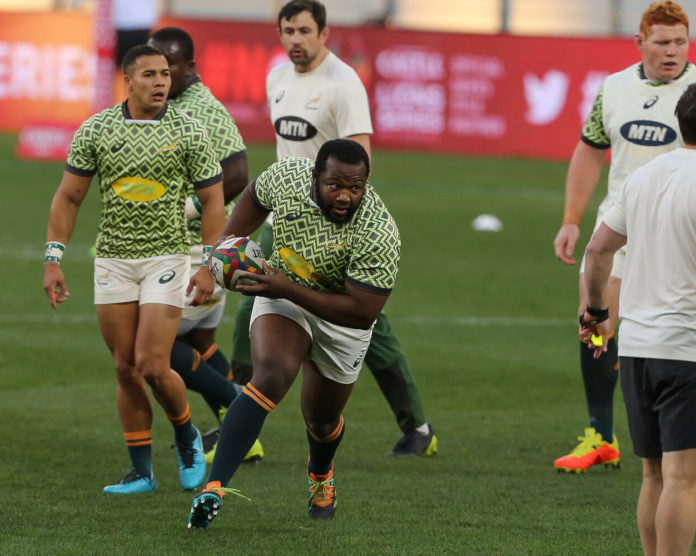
(54, 284)
(564, 244)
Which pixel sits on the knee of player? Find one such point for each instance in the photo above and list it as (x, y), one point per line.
(152, 369)
(319, 427)
(273, 380)
(125, 371)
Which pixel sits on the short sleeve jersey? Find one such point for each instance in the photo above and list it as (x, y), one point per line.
(635, 117)
(317, 253)
(656, 210)
(308, 109)
(198, 101)
(145, 168)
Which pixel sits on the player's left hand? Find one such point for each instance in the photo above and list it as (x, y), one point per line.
(274, 284)
(204, 285)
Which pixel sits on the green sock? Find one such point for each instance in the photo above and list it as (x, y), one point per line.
(599, 377)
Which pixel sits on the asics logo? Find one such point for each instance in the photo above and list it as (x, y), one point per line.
(167, 277)
(650, 102)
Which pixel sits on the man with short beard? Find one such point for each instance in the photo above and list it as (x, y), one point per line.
(333, 267)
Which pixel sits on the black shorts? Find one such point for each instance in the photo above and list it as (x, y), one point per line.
(660, 397)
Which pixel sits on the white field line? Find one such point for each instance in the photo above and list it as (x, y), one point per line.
(80, 318)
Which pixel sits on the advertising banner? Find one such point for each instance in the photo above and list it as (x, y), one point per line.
(481, 94)
(498, 95)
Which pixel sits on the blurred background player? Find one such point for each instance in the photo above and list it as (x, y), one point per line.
(146, 154)
(320, 320)
(643, 94)
(655, 211)
(319, 90)
(195, 355)
(133, 22)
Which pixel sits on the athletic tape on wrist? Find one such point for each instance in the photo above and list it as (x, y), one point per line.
(54, 252)
(207, 249)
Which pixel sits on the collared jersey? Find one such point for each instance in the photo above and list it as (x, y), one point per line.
(317, 253)
(308, 109)
(635, 117)
(145, 168)
(656, 211)
(197, 101)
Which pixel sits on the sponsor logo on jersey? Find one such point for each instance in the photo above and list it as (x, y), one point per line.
(650, 102)
(292, 216)
(117, 146)
(167, 277)
(648, 133)
(299, 266)
(294, 128)
(138, 189)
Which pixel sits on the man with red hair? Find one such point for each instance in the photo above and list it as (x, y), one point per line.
(633, 114)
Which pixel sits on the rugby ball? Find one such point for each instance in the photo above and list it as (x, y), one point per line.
(234, 256)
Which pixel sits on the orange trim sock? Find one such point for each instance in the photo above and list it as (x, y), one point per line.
(323, 450)
(184, 431)
(240, 429)
(140, 451)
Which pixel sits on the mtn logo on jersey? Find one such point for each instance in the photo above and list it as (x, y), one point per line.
(648, 133)
(293, 128)
(138, 189)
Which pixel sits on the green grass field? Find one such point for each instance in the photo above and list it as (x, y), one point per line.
(488, 323)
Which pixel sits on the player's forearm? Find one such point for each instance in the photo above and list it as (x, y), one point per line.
(583, 176)
(246, 217)
(61, 219)
(235, 178)
(339, 309)
(213, 213)
(599, 258)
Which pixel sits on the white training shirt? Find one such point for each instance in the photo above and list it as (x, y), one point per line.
(656, 210)
(308, 109)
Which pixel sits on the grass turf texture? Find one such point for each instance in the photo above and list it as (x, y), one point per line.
(488, 323)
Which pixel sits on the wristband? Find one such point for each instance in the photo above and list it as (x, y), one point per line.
(571, 217)
(207, 249)
(192, 208)
(598, 315)
(54, 252)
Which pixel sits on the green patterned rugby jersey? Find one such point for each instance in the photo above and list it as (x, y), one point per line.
(317, 253)
(145, 168)
(198, 101)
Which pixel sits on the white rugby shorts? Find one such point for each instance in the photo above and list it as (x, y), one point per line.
(337, 351)
(162, 279)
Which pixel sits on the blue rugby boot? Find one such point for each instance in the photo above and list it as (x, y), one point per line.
(191, 462)
(132, 483)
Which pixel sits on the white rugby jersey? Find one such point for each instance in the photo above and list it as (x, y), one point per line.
(635, 117)
(308, 109)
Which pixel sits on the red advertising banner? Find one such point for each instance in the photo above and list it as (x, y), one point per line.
(521, 96)
(486, 94)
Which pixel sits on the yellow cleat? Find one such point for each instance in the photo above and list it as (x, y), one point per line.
(254, 455)
(592, 450)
